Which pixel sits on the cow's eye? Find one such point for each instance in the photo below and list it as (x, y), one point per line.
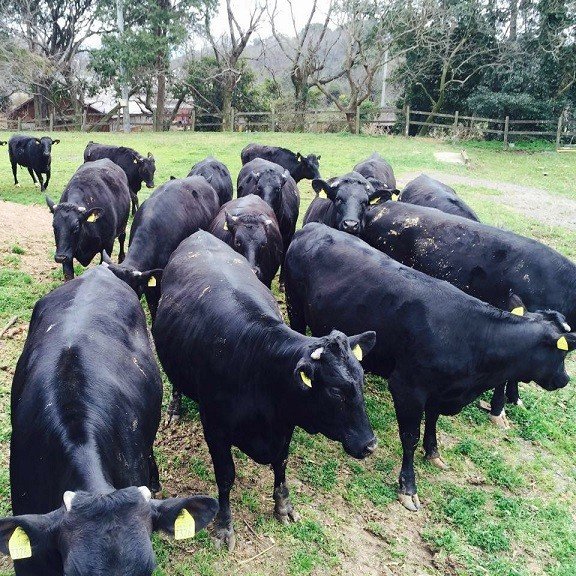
(336, 393)
(338, 201)
(237, 243)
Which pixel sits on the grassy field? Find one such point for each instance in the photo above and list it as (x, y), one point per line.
(505, 507)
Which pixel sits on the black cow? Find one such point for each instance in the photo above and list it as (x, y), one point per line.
(221, 339)
(217, 175)
(86, 402)
(347, 202)
(299, 166)
(438, 347)
(175, 210)
(138, 168)
(380, 174)
(277, 188)
(426, 191)
(250, 227)
(92, 212)
(34, 154)
(3, 142)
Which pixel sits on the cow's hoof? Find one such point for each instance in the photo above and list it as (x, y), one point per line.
(438, 462)
(36, 185)
(17, 185)
(520, 403)
(501, 421)
(287, 517)
(485, 405)
(410, 502)
(225, 538)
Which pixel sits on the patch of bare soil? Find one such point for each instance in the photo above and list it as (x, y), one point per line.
(550, 209)
(30, 228)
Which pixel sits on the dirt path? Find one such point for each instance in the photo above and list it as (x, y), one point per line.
(550, 209)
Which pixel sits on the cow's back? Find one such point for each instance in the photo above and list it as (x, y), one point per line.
(320, 210)
(377, 167)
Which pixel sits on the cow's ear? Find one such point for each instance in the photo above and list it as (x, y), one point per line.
(55, 141)
(150, 156)
(567, 342)
(37, 140)
(51, 204)
(29, 535)
(304, 373)
(515, 305)
(361, 344)
(320, 185)
(230, 222)
(318, 157)
(150, 278)
(92, 215)
(183, 517)
(298, 156)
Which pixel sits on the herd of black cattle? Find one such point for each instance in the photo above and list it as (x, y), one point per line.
(409, 283)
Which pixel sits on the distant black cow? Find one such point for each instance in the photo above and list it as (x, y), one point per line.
(175, 210)
(138, 169)
(3, 142)
(218, 176)
(86, 402)
(299, 166)
(34, 154)
(221, 339)
(380, 174)
(277, 188)
(438, 347)
(92, 213)
(426, 191)
(347, 202)
(250, 227)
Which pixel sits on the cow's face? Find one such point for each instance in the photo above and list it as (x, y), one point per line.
(309, 165)
(250, 236)
(68, 222)
(269, 187)
(332, 379)
(146, 170)
(351, 195)
(45, 144)
(106, 534)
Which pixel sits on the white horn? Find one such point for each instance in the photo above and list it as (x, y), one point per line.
(68, 498)
(317, 353)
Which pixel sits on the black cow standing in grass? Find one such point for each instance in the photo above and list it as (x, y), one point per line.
(34, 154)
(175, 210)
(217, 175)
(86, 402)
(300, 167)
(249, 226)
(221, 339)
(138, 168)
(3, 142)
(92, 212)
(277, 188)
(483, 261)
(347, 202)
(380, 174)
(427, 191)
(438, 347)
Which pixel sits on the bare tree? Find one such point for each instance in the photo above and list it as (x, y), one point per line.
(228, 50)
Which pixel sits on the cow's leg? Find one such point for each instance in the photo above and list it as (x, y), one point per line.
(68, 269)
(431, 441)
(296, 314)
(135, 203)
(513, 394)
(41, 181)
(283, 509)
(152, 299)
(154, 482)
(14, 171)
(409, 412)
(48, 174)
(175, 406)
(225, 473)
(31, 172)
(497, 414)
(121, 240)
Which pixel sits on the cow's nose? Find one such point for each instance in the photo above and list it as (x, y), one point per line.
(370, 447)
(350, 225)
(59, 258)
(256, 271)
(150, 185)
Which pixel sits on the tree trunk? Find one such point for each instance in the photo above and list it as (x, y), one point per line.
(513, 20)
(160, 101)
(351, 119)
(41, 106)
(226, 109)
(300, 99)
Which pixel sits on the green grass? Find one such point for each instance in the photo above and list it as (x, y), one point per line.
(505, 507)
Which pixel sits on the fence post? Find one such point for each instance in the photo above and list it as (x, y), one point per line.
(357, 120)
(51, 122)
(559, 131)
(455, 127)
(407, 128)
(506, 126)
(84, 120)
(19, 124)
(193, 120)
(272, 124)
(231, 119)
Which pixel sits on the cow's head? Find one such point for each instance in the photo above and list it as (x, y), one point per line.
(46, 144)
(351, 195)
(330, 377)
(146, 169)
(381, 188)
(104, 534)
(140, 281)
(309, 166)
(251, 235)
(68, 221)
(3, 142)
(269, 185)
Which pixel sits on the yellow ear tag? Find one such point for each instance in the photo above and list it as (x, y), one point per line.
(19, 545)
(395, 197)
(92, 218)
(305, 379)
(322, 194)
(151, 282)
(518, 311)
(374, 201)
(562, 343)
(357, 351)
(184, 527)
